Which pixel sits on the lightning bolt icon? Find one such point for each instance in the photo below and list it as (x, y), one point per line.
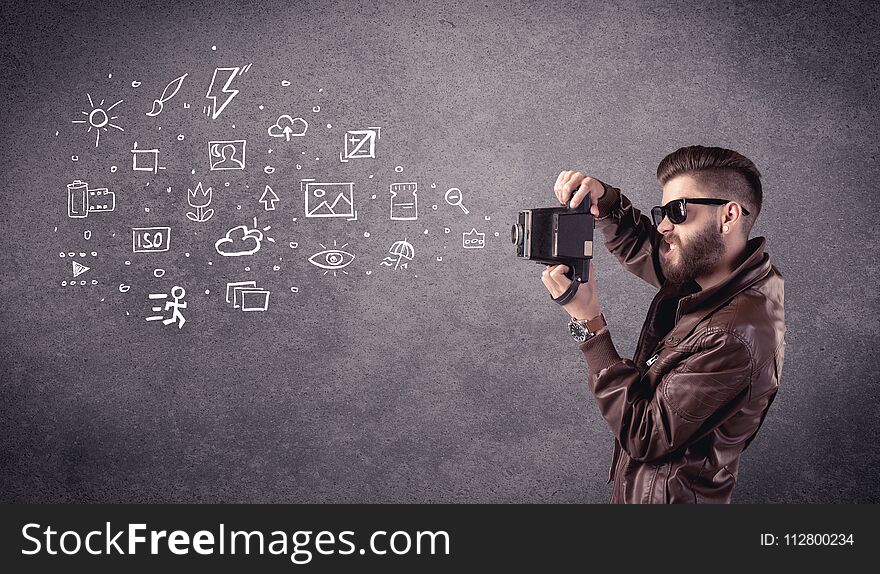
(224, 76)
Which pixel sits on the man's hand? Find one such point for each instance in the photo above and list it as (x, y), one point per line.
(572, 186)
(585, 304)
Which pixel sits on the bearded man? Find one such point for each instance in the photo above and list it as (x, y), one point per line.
(709, 358)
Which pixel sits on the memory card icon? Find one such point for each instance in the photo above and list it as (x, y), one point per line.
(360, 144)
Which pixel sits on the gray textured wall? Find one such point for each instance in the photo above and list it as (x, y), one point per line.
(454, 380)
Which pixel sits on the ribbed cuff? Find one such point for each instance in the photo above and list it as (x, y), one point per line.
(599, 351)
(608, 202)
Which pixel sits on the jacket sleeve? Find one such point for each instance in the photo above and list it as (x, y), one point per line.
(653, 423)
(630, 236)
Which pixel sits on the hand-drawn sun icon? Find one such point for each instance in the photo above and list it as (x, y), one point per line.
(99, 118)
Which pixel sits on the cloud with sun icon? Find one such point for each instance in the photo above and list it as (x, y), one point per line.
(99, 118)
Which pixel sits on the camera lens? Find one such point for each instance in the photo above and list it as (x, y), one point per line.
(516, 231)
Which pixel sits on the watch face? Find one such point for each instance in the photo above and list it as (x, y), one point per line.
(578, 332)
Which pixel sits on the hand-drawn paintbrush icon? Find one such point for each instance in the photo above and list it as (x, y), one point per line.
(169, 92)
(199, 199)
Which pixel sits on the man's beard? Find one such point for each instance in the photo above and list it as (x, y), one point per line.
(698, 258)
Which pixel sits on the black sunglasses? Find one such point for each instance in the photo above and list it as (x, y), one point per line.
(676, 210)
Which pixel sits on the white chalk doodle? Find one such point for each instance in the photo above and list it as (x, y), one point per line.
(150, 239)
(454, 197)
(178, 293)
(169, 92)
(99, 118)
(287, 127)
(334, 259)
(158, 273)
(241, 240)
(473, 240)
(399, 169)
(123, 288)
(404, 201)
(199, 199)
(246, 296)
(328, 199)
(81, 201)
(87, 234)
(78, 268)
(145, 159)
(227, 154)
(360, 144)
(269, 199)
(402, 252)
(224, 76)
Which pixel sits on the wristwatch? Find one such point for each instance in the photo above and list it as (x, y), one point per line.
(583, 330)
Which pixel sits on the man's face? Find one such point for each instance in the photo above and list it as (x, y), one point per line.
(693, 248)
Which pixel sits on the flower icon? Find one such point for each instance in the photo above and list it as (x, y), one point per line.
(199, 199)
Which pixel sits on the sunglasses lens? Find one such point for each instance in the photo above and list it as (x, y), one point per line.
(657, 215)
(677, 212)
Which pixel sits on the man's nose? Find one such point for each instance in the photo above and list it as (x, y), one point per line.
(665, 226)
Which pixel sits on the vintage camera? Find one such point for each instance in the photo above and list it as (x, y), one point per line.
(554, 235)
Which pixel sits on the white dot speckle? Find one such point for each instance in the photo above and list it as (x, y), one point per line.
(260, 106)
(247, 268)
(210, 262)
(214, 48)
(128, 262)
(186, 254)
(373, 196)
(207, 291)
(496, 234)
(109, 76)
(147, 209)
(399, 169)
(329, 126)
(366, 233)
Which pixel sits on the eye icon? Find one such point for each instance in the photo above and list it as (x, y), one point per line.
(332, 259)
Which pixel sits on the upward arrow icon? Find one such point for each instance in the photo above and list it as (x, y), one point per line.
(269, 199)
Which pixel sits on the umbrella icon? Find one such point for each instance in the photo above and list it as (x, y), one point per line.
(400, 251)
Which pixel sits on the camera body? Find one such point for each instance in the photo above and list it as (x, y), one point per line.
(557, 235)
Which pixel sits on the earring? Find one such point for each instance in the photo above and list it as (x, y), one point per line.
(726, 228)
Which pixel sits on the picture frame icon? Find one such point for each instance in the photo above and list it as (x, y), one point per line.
(328, 199)
(246, 296)
(227, 154)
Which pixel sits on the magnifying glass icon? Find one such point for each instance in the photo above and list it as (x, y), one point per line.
(453, 197)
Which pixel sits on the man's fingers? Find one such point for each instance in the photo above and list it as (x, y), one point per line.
(557, 187)
(582, 191)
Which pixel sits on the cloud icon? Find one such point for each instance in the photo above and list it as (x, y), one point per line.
(287, 126)
(239, 241)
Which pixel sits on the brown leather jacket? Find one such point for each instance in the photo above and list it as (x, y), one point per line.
(706, 369)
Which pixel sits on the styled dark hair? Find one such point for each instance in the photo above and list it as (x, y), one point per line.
(724, 173)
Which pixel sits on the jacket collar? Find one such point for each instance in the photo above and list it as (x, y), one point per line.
(694, 307)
